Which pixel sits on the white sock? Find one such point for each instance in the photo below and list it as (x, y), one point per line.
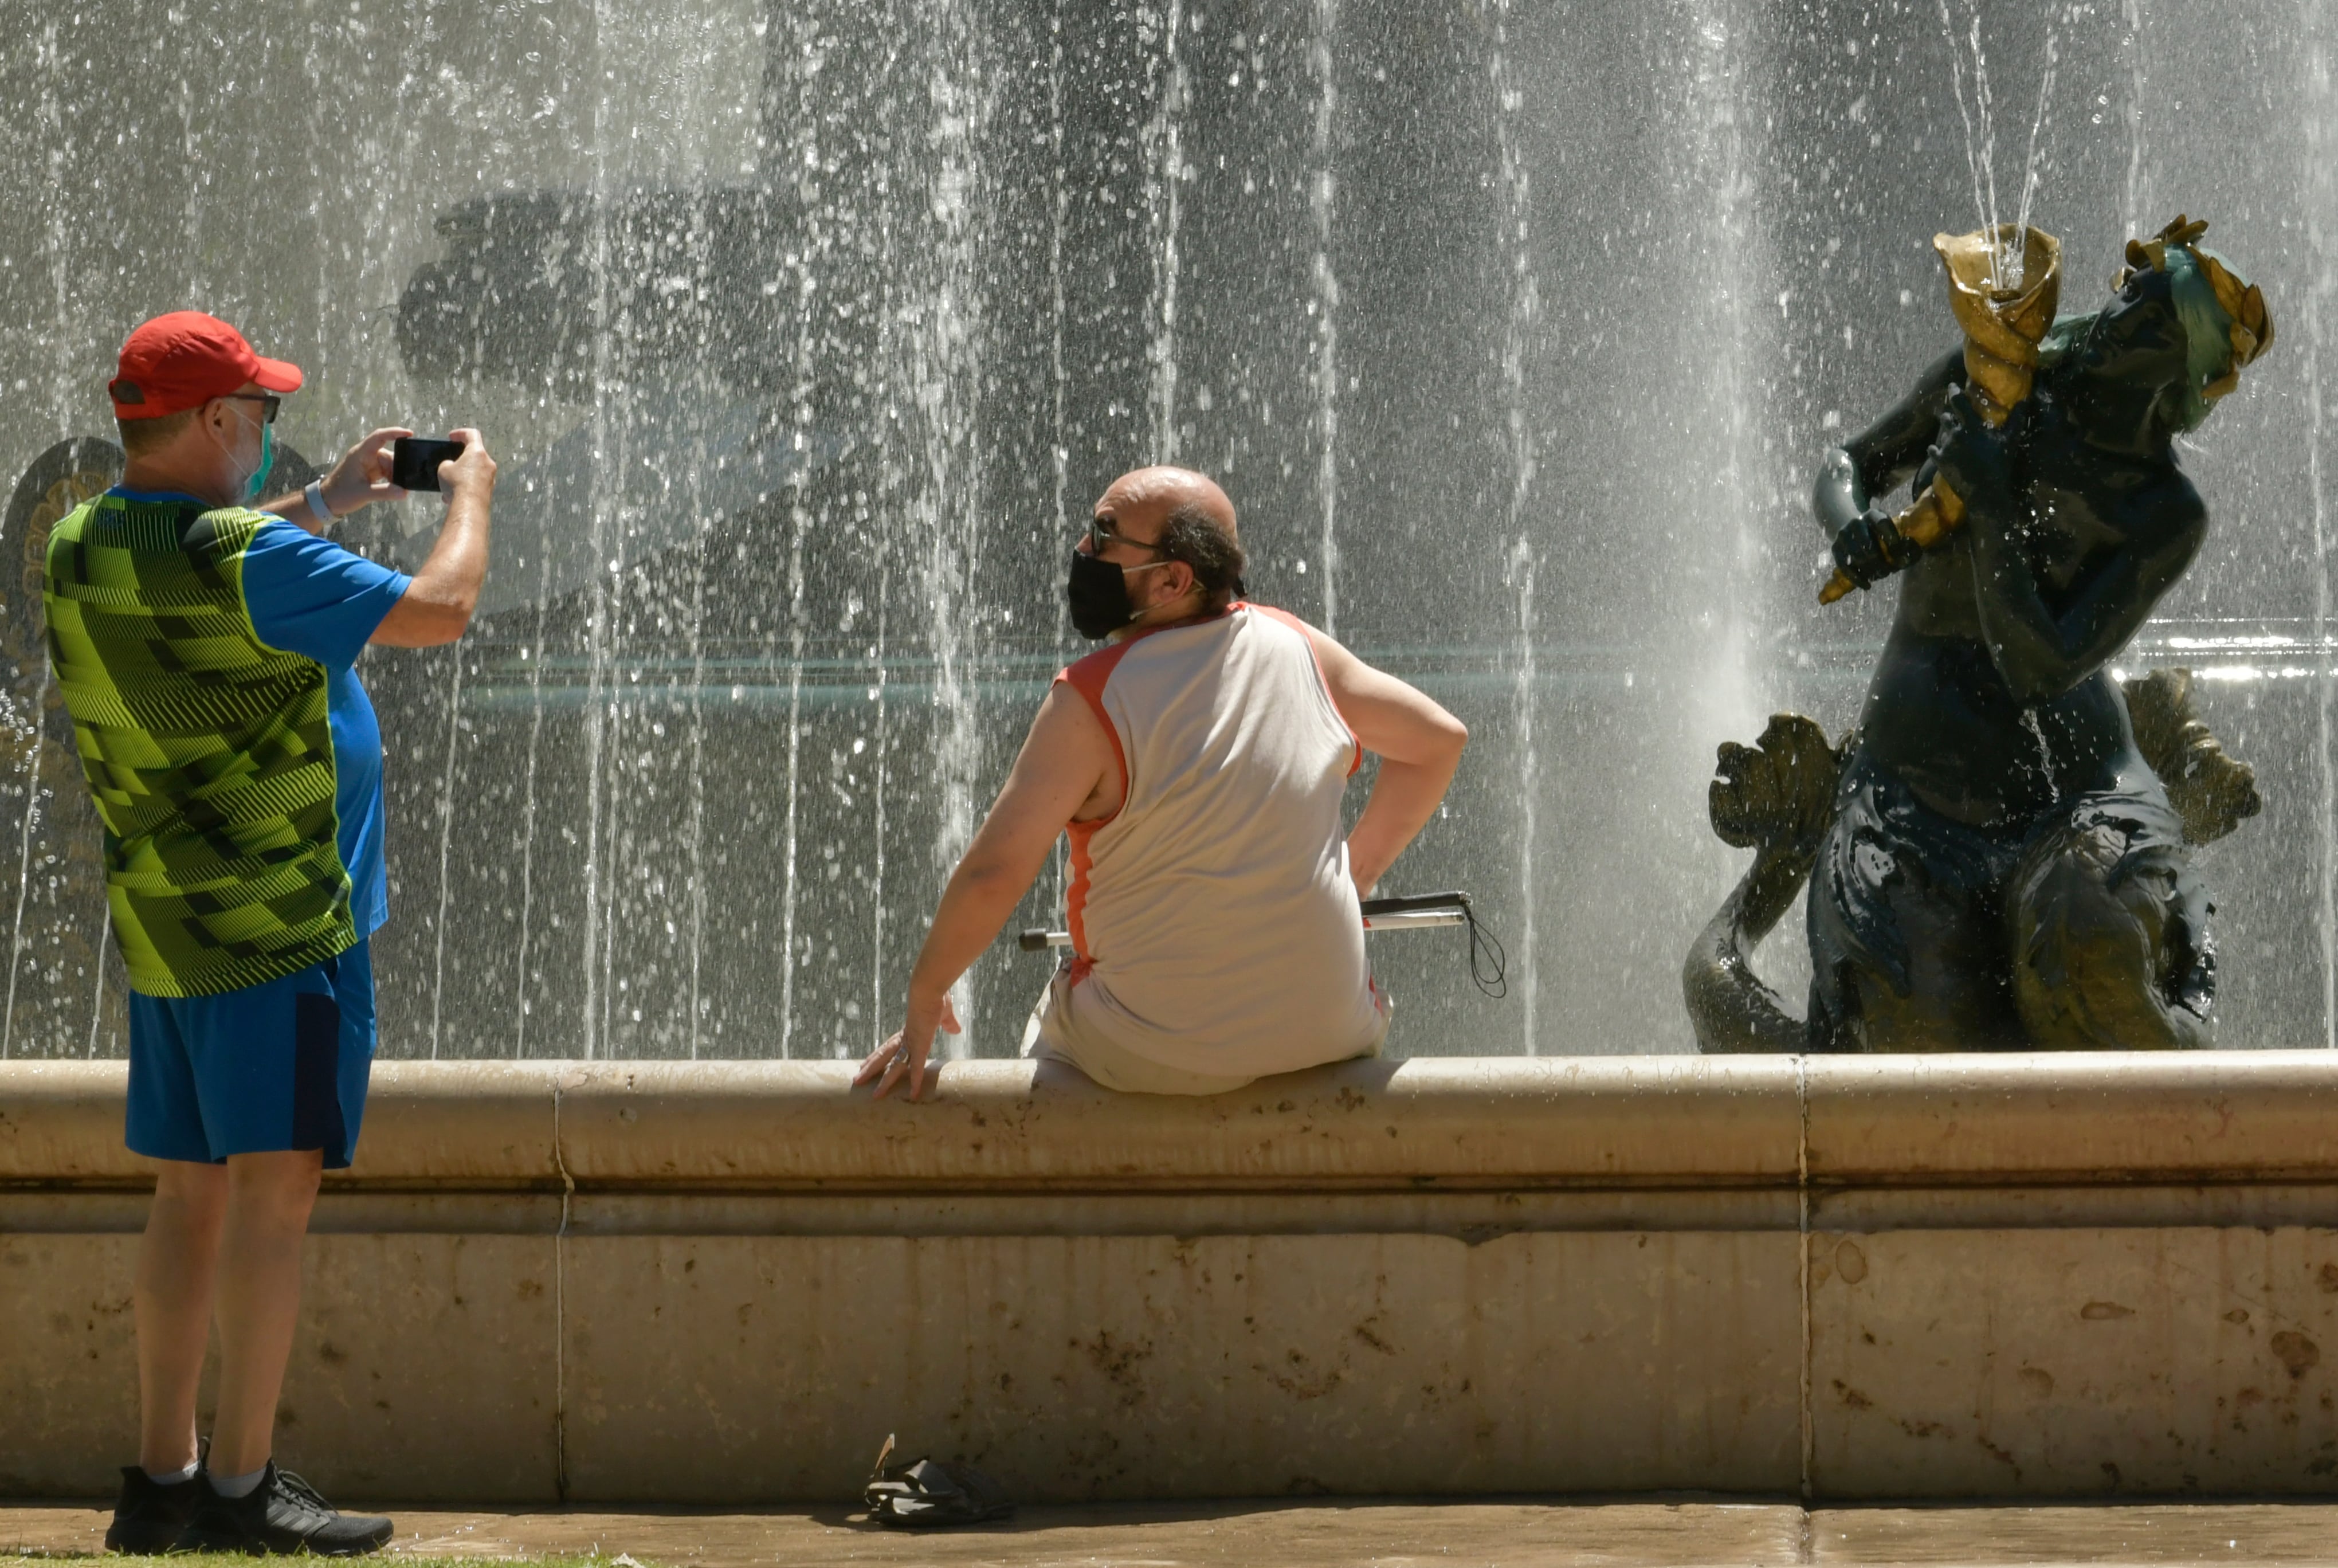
(171, 1477)
(239, 1485)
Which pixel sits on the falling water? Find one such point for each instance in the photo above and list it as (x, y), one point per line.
(1518, 567)
(51, 119)
(799, 525)
(191, 208)
(1033, 232)
(2321, 184)
(446, 843)
(1518, 576)
(24, 859)
(1324, 306)
(1059, 451)
(1985, 112)
(1737, 496)
(697, 640)
(886, 394)
(945, 352)
(2015, 254)
(97, 985)
(1164, 175)
(527, 970)
(1059, 197)
(600, 709)
(2138, 192)
(881, 769)
(1981, 156)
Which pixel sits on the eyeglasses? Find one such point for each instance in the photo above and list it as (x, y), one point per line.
(268, 403)
(1102, 531)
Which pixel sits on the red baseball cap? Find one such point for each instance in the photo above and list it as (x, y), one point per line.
(184, 359)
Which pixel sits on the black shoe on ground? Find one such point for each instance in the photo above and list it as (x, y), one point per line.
(282, 1514)
(150, 1517)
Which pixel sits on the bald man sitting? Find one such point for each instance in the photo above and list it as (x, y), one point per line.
(1198, 763)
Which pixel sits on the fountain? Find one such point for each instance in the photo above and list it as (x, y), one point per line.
(806, 327)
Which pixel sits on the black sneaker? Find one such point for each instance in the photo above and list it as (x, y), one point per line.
(152, 1516)
(282, 1514)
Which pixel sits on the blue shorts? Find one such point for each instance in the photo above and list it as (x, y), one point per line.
(272, 1066)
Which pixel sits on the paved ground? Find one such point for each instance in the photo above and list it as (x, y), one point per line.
(1337, 1535)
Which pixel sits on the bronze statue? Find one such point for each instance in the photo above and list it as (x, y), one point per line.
(2000, 852)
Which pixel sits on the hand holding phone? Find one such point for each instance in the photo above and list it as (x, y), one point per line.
(414, 462)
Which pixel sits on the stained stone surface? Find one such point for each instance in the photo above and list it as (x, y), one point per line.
(2067, 1362)
(719, 1368)
(1507, 1533)
(423, 1357)
(2111, 1276)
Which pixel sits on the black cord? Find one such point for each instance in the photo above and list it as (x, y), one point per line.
(1487, 959)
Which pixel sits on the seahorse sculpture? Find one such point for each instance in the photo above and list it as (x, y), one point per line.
(1777, 798)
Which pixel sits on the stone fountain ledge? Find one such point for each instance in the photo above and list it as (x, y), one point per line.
(1915, 1275)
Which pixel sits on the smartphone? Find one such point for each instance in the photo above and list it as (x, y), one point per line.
(414, 462)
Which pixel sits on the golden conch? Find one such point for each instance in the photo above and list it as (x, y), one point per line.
(2003, 323)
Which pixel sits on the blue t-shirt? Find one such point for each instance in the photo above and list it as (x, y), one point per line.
(310, 597)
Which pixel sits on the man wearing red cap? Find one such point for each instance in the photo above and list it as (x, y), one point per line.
(206, 648)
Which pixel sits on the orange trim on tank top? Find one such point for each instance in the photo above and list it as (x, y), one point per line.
(1087, 677)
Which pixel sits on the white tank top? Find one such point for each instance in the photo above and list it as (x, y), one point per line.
(1214, 926)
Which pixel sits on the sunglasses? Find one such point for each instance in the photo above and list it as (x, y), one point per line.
(1102, 532)
(268, 403)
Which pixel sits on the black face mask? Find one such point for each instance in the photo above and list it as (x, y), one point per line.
(1098, 591)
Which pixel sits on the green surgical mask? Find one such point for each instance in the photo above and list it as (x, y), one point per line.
(256, 485)
(259, 485)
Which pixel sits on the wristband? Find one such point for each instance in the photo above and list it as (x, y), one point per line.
(315, 495)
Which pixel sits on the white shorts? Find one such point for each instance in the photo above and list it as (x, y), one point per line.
(1114, 1066)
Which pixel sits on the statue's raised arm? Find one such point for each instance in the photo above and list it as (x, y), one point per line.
(1874, 463)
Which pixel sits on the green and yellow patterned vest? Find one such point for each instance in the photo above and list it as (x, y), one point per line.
(209, 752)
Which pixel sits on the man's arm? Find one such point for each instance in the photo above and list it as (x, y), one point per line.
(1418, 745)
(437, 605)
(359, 479)
(1064, 758)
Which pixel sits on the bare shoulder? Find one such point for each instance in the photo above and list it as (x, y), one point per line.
(1070, 758)
(1065, 713)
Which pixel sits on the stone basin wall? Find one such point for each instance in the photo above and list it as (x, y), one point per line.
(2043, 1275)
